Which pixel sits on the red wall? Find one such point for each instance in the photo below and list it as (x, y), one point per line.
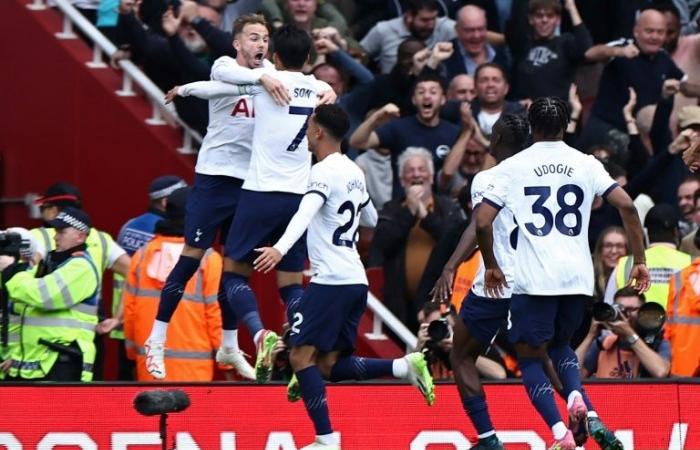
(60, 120)
(375, 417)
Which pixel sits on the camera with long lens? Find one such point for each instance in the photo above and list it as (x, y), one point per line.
(438, 330)
(604, 312)
(11, 244)
(650, 322)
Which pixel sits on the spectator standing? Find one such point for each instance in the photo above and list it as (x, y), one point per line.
(690, 243)
(662, 256)
(194, 332)
(424, 129)
(610, 247)
(683, 320)
(419, 20)
(491, 89)
(623, 353)
(471, 46)
(55, 303)
(544, 62)
(407, 230)
(686, 204)
(641, 64)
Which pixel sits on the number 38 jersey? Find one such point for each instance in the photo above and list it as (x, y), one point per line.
(281, 160)
(333, 232)
(549, 187)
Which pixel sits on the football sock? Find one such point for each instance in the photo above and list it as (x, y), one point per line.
(175, 286)
(566, 364)
(356, 368)
(230, 340)
(242, 300)
(159, 332)
(229, 321)
(313, 391)
(478, 412)
(291, 296)
(539, 389)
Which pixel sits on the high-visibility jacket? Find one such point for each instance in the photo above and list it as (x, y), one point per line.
(134, 234)
(99, 244)
(662, 263)
(464, 278)
(683, 320)
(60, 307)
(194, 332)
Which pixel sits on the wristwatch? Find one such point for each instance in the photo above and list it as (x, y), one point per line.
(632, 339)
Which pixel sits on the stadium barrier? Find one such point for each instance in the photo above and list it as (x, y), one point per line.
(645, 416)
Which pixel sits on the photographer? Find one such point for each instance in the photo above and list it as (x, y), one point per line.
(623, 353)
(53, 306)
(435, 341)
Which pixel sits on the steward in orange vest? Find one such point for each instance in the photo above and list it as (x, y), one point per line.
(194, 333)
(683, 320)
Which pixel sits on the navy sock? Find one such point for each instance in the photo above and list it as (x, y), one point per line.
(566, 364)
(174, 286)
(313, 391)
(291, 296)
(478, 412)
(229, 320)
(587, 400)
(242, 301)
(355, 368)
(539, 389)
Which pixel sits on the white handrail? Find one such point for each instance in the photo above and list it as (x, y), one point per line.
(161, 114)
(383, 315)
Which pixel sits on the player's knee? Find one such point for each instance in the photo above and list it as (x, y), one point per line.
(301, 357)
(193, 252)
(289, 278)
(237, 267)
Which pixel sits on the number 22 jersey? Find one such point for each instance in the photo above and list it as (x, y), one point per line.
(549, 187)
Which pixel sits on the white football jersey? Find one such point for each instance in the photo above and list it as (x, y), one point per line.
(504, 236)
(281, 161)
(228, 143)
(332, 235)
(549, 187)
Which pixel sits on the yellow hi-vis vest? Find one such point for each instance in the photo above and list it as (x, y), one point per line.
(60, 307)
(662, 263)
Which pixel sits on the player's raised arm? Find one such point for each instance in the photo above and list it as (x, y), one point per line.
(630, 219)
(227, 70)
(206, 90)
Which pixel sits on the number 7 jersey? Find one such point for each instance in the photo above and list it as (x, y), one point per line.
(550, 187)
(281, 161)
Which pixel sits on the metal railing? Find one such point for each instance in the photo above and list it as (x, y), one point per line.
(161, 114)
(382, 315)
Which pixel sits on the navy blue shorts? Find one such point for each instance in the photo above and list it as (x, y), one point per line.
(536, 319)
(210, 208)
(328, 316)
(260, 221)
(484, 317)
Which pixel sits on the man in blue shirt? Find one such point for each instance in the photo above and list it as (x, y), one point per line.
(424, 129)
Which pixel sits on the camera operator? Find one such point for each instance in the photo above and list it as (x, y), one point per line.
(435, 341)
(53, 306)
(623, 353)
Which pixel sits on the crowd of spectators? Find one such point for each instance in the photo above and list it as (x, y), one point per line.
(424, 81)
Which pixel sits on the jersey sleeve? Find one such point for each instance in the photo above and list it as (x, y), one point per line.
(319, 182)
(226, 69)
(309, 206)
(210, 89)
(495, 193)
(477, 190)
(600, 179)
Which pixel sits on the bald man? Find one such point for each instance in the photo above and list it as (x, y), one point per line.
(461, 88)
(471, 46)
(640, 63)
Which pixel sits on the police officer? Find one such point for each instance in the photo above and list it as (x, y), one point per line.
(54, 308)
